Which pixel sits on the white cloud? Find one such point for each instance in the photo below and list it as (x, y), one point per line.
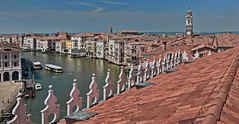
(98, 10)
(82, 3)
(113, 2)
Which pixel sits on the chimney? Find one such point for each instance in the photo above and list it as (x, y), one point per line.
(164, 45)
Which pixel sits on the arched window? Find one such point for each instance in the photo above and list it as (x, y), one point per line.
(15, 75)
(6, 76)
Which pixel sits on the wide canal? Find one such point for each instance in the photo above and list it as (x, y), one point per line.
(74, 68)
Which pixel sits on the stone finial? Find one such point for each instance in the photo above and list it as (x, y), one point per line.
(185, 56)
(132, 76)
(209, 53)
(121, 83)
(75, 99)
(196, 55)
(108, 89)
(140, 74)
(147, 71)
(93, 94)
(19, 112)
(51, 107)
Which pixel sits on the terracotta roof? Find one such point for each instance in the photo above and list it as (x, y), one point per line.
(206, 91)
(202, 46)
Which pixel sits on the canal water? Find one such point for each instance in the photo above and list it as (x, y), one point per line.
(74, 68)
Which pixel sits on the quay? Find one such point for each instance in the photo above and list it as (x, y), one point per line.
(8, 93)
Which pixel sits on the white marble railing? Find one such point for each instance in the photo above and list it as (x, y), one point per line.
(137, 74)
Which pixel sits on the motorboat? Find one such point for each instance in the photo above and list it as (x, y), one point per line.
(54, 68)
(38, 86)
(36, 65)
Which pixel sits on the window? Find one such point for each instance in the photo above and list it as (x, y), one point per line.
(15, 56)
(6, 57)
(15, 64)
(5, 64)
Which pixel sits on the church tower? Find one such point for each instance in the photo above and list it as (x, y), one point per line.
(189, 22)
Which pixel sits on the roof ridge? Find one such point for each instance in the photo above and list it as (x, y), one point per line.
(216, 103)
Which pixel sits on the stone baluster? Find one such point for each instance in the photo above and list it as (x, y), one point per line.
(146, 71)
(209, 53)
(185, 56)
(175, 59)
(108, 89)
(93, 94)
(19, 112)
(132, 76)
(75, 100)
(179, 57)
(140, 74)
(166, 62)
(159, 66)
(171, 61)
(163, 64)
(51, 108)
(196, 55)
(154, 68)
(122, 82)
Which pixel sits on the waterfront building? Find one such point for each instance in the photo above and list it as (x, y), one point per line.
(100, 49)
(134, 52)
(29, 42)
(189, 22)
(60, 46)
(116, 51)
(10, 63)
(91, 47)
(68, 46)
(42, 45)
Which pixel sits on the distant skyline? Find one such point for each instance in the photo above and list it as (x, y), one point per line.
(25, 16)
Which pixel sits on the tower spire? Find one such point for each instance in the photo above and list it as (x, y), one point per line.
(189, 22)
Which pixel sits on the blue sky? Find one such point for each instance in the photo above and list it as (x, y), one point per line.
(98, 15)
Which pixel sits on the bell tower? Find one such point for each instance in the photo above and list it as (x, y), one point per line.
(189, 22)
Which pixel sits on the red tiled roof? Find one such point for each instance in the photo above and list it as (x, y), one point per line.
(206, 91)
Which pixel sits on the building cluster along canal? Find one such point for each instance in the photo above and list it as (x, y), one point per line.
(74, 68)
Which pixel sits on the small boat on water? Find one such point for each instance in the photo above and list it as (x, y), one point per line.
(36, 65)
(75, 56)
(54, 68)
(38, 86)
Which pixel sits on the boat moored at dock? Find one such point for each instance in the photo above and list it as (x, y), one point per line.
(38, 86)
(54, 68)
(36, 65)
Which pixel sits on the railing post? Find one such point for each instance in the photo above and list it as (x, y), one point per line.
(131, 79)
(75, 100)
(19, 112)
(51, 107)
(140, 74)
(147, 71)
(159, 66)
(93, 93)
(121, 83)
(154, 68)
(108, 89)
(185, 56)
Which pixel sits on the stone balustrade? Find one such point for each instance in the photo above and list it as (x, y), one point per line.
(137, 75)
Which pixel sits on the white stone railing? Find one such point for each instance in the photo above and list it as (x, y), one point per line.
(137, 75)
